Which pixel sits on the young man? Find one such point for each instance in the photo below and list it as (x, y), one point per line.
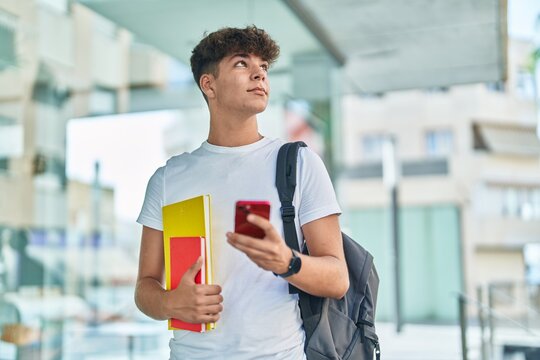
(256, 317)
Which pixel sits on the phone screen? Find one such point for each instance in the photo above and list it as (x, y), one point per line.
(243, 209)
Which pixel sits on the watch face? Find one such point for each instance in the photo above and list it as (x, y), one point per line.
(296, 264)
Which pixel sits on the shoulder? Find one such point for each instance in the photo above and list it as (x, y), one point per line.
(158, 174)
(307, 153)
(179, 163)
(269, 149)
(275, 144)
(177, 160)
(308, 157)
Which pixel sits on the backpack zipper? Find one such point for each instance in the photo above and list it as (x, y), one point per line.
(377, 351)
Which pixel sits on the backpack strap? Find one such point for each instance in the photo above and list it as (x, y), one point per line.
(286, 185)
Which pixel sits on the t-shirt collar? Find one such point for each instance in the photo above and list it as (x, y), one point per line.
(235, 149)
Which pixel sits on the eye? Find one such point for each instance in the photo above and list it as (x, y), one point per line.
(240, 63)
(264, 67)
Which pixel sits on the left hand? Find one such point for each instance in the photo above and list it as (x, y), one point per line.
(270, 253)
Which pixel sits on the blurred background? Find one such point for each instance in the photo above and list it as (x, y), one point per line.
(425, 113)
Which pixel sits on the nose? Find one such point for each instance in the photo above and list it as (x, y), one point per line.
(259, 74)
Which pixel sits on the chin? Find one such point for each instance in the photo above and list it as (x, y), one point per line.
(261, 109)
(258, 108)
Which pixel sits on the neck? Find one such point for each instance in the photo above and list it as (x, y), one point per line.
(232, 131)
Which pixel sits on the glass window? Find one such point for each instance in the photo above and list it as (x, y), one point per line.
(536, 203)
(531, 257)
(69, 245)
(4, 163)
(439, 142)
(525, 84)
(372, 146)
(496, 86)
(520, 202)
(525, 205)
(102, 101)
(11, 140)
(8, 55)
(511, 202)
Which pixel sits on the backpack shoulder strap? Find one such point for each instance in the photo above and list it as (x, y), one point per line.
(286, 185)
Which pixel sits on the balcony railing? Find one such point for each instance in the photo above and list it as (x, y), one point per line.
(508, 316)
(409, 168)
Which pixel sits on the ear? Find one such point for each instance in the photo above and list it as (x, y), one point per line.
(206, 83)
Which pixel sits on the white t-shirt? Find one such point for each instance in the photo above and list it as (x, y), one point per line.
(260, 319)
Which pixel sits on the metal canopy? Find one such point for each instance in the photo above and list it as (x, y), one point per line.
(175, 26)
(384, 45)
(417, 43)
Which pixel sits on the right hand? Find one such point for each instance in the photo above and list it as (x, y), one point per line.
(194, 303)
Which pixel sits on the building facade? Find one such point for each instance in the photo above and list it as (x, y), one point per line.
(469, 190)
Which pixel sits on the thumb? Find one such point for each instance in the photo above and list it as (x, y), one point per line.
(193, 270)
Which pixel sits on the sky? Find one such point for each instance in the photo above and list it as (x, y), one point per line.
(129, 147)
(522, 15)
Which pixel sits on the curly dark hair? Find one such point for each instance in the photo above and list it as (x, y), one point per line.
(227, 41)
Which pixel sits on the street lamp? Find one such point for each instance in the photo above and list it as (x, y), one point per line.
(390, 179)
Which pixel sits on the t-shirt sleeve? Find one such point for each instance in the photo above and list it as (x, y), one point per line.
(317, 195)
(150, 214)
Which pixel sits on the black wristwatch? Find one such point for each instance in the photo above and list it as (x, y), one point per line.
(294, 266)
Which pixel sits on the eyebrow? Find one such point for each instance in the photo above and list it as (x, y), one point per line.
(242, 55)
(246, 56)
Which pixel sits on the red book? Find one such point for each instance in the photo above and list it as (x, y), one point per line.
(184, 252)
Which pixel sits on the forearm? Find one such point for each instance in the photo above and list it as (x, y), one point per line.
(150, 298)
(324, 276)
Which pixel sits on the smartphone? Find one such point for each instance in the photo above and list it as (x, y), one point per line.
(243, 209)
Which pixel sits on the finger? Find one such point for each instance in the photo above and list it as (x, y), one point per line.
(264, 224)
(209, 289)
(247, 241)
(209, 300)
(193, 270)
(212, 300)
(210, 309)
(251, 252)
(208, 318)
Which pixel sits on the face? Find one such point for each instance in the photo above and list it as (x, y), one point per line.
(241, 85)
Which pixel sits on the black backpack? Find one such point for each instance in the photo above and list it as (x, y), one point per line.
(335, 329)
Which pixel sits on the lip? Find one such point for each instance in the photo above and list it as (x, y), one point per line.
(258, 91)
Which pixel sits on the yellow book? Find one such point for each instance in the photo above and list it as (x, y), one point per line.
(187, 219)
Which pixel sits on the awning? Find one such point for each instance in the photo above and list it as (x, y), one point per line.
(383, 44)
(510, 139)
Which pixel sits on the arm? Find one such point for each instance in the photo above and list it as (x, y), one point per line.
(325, 269)
(188, 302)
(149, 291)
(323, 273)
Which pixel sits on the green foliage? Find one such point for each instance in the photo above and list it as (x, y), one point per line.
(533, 58)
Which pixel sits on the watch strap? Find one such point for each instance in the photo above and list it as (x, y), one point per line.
(290, 271)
